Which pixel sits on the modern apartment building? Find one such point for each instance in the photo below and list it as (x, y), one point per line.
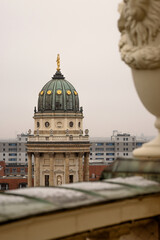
(13, 151)
(106, 150)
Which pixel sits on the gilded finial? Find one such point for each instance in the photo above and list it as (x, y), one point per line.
(58, 62)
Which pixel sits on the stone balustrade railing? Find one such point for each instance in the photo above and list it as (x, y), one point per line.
(52, 138)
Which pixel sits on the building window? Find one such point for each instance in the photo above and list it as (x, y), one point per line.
(99, 149)
(4, 186)
(47, 124)
(12, 149)
(139, 144)
(3, 154)
(71, 124)
(38, 125)
(93, 175)
(79, 124)
(124, 154)
(12, 144)
(12, 154)
(110, 144)
(22, 170)
(90, 153)
(14, 170)
(99, 144)
(4, 150)
(12, 159)
(117, 149)
(3, 144)
(117, 144)
(110, 154)
(22, 185)
(117, 138)
(7, 171)
(99, 154)
(123, 139)
(109, 149)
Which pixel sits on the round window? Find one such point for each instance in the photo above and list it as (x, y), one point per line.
(71, 124)
(38, 124)
(46, 124)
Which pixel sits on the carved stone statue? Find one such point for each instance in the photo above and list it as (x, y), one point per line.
(86, 132)
(59, 180)
(29, 131)
(139, 25)
(51, 132)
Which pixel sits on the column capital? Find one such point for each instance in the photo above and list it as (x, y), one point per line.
(37, 154)
(86, 154)
(51, 155)
(80, 154)
(29, 154)
(67, 154)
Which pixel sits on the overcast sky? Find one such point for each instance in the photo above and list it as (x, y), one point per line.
(85, 34)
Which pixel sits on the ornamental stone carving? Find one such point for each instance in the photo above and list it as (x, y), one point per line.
(139, 25)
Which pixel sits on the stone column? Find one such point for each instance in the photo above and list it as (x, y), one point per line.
(51, 172)
(34, 171)
(29, 169)
(37, 176)
(67, 167)
(86, 167)
(80, 167)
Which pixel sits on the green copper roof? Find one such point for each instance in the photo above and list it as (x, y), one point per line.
(58, 95)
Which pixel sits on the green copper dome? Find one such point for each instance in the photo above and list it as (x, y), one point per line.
(58, 95)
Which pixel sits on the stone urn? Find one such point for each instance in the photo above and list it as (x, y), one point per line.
(147, 84)
(139, 24)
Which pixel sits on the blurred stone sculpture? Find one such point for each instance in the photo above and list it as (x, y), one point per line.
(139, 45)
(139, 24)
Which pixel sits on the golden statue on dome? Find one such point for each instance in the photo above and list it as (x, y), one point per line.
(58, 62)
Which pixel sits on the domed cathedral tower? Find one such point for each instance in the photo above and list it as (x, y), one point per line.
(58, 144)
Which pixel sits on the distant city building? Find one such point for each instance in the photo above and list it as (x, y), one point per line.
(13, 151)
(102, 150)
(106, 150)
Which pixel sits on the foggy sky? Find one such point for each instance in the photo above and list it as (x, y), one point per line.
(85, 34)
